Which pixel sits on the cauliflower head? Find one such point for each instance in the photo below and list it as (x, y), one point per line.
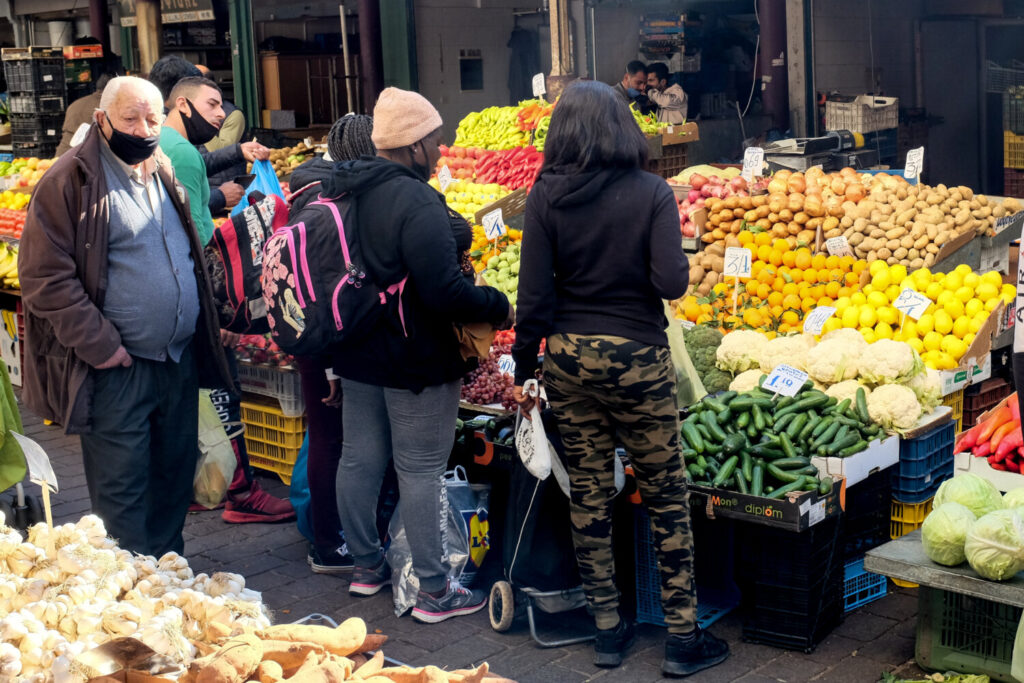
(894, 406)
(790, 351)
(747, 380)
(887, 362)
(928, 387)
(847, 389)
(852, 336)
(833, 360)
(740, 350)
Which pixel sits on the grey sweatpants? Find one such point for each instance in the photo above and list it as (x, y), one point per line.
(418, 431)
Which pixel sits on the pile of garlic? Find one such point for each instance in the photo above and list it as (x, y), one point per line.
(70, 589)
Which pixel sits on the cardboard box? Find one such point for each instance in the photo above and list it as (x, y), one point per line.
(679, 135)
(796, 512)
(127, 660)
(83, 51)
(976, 364)
(876, 457)
(1004, 481)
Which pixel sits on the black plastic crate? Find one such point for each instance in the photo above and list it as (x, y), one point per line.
(37, 104)
(789, 557)
(792, 600)
(36, 128)
(38, 150)
(802, 634)
(866, 523)
(41, 76)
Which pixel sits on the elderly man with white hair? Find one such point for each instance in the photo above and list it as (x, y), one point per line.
(120, 323)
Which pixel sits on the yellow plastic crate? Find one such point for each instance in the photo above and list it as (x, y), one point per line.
(270, 415)
(271, 457)
(1013, 150)
(906, 517)
(956, 402)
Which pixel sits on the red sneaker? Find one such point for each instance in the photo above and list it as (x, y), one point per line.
(259, 507)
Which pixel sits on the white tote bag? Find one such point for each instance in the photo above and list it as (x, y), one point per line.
(531, 442)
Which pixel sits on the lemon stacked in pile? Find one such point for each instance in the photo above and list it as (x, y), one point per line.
(963, 301)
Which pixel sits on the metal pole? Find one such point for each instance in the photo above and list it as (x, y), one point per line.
(349, 99)
(370, 56)
(147, 13)
(98, 21)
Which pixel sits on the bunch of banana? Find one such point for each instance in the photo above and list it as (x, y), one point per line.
(493, 128)
(9, 266)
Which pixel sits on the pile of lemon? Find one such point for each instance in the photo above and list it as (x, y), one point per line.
(963, 301)
(14, 200)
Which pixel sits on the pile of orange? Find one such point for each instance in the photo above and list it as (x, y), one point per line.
(482, 249)
(785, 285)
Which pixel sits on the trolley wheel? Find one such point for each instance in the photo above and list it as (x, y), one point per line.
(502, 608)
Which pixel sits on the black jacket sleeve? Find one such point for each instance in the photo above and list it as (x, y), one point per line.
(217, 201)
(223, 158)
(535, 300)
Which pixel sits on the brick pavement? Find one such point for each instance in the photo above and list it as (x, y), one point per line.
(875, 638)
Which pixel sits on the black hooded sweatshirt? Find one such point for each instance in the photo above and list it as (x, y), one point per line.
(600, 251)
(406, 229)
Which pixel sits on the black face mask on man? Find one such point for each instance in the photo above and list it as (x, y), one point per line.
(130, 149)
(199, 130)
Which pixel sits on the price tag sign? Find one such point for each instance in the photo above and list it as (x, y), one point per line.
(444, 178)
(539, 87)
(753, 162)
(915, 163)
(785, 380)
(838, 246)
(688, 324)
(494, 225)
(737, 262)
(912, 303)
(815, 320)
(506, 365)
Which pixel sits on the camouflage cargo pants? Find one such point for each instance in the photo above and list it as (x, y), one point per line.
(606, 391)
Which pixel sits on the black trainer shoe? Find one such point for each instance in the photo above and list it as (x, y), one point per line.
(684, 659)
(336, 561)
(612, 643)
(369, 580)
(455, 602)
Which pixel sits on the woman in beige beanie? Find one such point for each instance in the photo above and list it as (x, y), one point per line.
(402, 382)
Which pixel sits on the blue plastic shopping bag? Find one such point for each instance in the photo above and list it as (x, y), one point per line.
(266, 183)
(299, 492)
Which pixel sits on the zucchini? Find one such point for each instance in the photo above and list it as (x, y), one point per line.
(791, 463)
(714, 404)
(692, 436)
(702, 462)
(793, 486)
(704, 433)
(783, 475)
(726, 397)
(803, 405)
(752, 431)
(747, 465)
(743, 420)
(830, 432)
(714, 429)
(806, 432)
(733, 443)
(853, 449)
(741, 485)
(825, 486)
(841, 408)
(782, 422)
(838, 445)
(758, 418)
(757, 481)
(695, 472)
(747, 402)
(862, 406)
(796, 426)
(787, 446)
(727, 469)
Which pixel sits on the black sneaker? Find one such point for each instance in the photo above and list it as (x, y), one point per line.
(455, 602)
(369, 580)
(336, 561)
(612, 643)
(685, 659)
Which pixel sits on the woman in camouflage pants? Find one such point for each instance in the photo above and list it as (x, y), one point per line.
(601, 249)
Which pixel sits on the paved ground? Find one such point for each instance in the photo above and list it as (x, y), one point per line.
(875, 638)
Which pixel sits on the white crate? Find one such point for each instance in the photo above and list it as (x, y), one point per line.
(284, 384)
(865, 114)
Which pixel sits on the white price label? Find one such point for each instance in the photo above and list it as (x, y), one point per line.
(494, 225)
(838, 246)
(785, 380)
(912, 303)
(444, 178)
(815, 320)
(47, 78)
(688, 324)
(753, 162)
(539, 87)
(738, 262)
(816, 513)
(506, 365)
(915, 164)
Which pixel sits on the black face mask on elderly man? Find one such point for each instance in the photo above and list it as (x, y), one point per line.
(129, 148)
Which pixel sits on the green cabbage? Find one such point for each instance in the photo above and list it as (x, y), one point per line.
(995, 545)
(944, 532)
(1014, 498)
(976, 494)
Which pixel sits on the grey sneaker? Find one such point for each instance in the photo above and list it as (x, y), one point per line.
(455, 602)
(369, 580)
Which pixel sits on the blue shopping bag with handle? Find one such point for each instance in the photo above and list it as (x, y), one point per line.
(266, 183)
(299, 492)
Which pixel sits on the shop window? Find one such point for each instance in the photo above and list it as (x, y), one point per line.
(471, 70)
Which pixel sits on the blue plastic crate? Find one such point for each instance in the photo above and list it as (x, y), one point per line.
(713, 603)
(861, 587)
(925, 462)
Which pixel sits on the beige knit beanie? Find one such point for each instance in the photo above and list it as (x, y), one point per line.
(402, 117)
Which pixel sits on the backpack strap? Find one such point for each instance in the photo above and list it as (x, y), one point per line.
(341, 228)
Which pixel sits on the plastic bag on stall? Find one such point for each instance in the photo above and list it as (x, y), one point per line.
(455, 537)
(470, 502)
(266, 182)
(689, 388)
(217, 461)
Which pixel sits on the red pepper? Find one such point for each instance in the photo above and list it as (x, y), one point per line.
(996, 457)
(989, 426)
(1014, 405)
(968, 439)
(982, 450)
(998, 466)
(1002, 432)
(1012, 441)
(1012, 466)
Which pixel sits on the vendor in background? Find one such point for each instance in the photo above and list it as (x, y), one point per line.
(593, 275)
(669, 99)
(80, 112)
(633, 83)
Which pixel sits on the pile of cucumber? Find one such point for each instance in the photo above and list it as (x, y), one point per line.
(761, 444)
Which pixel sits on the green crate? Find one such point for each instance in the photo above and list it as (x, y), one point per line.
(960, 633)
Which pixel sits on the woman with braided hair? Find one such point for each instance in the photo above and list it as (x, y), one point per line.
(349, 138)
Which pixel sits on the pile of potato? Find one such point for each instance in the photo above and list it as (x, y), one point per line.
(706, 266)
(791, 217)
(287, 159)
(908, 224)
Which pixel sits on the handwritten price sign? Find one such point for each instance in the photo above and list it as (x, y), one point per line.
(506, 365)
(912, 303)
(785, 380)
(738, 261)
(538, 85)
(444, 178)
(753, 162)
(915, 164)
(494, 225)
(838, 246)
(816, 319)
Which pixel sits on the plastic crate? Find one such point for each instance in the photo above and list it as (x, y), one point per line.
(34, 70)
(865, 114)
(266, 423)
(1013, 150)
(925, 462)
(867, 514)
(1013, 110)
(980, 398)
(281, 383)
(960, 633)
(713, 602)
(271, 457)
(861, 587)
(1000, 78)
(907, 517)
(955, 401)
(36, 128)
(36, 104)
(1013, 182)
(671, 163)
(40, 150)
